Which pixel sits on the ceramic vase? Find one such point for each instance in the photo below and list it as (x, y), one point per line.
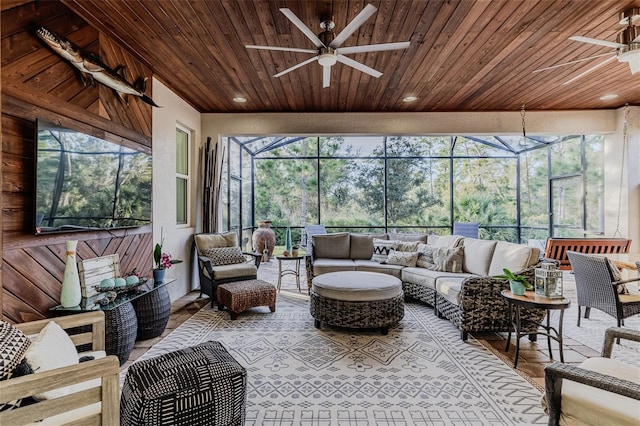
(71, 293)
(158, 275)
(517, 288)
(264, 240)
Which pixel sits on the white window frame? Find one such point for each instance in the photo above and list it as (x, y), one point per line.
(186, 177)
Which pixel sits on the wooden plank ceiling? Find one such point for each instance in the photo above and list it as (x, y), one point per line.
(465, 55)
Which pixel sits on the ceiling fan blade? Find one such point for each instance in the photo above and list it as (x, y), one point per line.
(353, 25)
(283, 49)
(572, 62)
(326, 76)
(302, 27)
(597, 41)
(593, 68)
(373, 48)
(296, 66)
(357, 65)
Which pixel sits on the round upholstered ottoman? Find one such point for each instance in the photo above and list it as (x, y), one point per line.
(357, 299)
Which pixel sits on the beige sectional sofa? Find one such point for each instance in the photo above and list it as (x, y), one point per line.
(469, 298)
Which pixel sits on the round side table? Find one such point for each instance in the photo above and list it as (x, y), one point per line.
(529, 300)
(295, 271)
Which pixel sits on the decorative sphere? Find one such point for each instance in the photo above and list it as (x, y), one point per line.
(120, 282)
(107, 283)
(132, 280)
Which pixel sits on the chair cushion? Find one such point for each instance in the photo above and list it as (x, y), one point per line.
(514, 257)
(586, 405)
(207, 241)
(478, 254)
(236, 270)
(224, 255)
(332, 246)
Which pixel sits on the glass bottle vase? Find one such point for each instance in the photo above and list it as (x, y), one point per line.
(71, 294)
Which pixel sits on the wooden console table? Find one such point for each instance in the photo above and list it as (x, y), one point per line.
(139, 314)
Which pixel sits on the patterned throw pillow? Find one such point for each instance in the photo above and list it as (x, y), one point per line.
(425, 258)
(617, 276)
(402, 258)
(411, 246)
(13, 346)
(381, 249)
(224, 255)
(448, 259)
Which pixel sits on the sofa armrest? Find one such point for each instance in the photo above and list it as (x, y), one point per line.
(94, 319)
(106, 392)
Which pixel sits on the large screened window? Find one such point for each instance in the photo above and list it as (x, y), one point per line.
(516, 188)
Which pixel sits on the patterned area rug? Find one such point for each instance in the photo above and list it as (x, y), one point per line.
(421, 373)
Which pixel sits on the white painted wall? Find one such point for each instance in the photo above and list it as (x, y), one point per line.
(177, 239)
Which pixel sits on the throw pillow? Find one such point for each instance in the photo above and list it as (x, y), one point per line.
(13, 346)
(448, 259)
(382, 248)
(408, 246)
(425, 258)
(51, 349)
(224, 255)
(402, 258)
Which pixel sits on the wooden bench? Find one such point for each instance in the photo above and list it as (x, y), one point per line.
(557, 247)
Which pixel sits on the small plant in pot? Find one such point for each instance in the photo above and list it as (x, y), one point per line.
(518, 283)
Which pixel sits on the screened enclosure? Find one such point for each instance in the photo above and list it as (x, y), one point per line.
(516, 188)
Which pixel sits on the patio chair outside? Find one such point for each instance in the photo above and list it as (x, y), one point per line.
(466, 229)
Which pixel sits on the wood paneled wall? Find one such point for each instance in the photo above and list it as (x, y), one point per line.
(37, 83)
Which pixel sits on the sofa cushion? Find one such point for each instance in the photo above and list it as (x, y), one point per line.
(450, 288)
(515, 257)
(402, 258)
(478, 255)
(449, 241)
(381, 268)
(382, 248)
(362, 245)
(332, 246)
(324, 266)
(207, 241)
(408, 237)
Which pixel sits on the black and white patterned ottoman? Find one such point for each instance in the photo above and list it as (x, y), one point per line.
(200, 385)
(357, 299)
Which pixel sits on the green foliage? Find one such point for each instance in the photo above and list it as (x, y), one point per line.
(511, 277)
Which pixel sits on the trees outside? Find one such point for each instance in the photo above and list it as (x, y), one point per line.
(420, 184)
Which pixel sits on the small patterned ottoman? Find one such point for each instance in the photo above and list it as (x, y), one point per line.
(199, 385)
(242, 295)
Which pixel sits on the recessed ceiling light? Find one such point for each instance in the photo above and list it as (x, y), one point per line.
(607, 97)
(239, 99)
(410, 99)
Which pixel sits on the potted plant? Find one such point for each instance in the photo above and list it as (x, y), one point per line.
(517, 283)
(163, 262)
(294, 250)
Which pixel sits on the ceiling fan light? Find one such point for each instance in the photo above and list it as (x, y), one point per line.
(327, 59)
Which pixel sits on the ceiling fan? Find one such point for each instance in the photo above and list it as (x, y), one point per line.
(328, 45)
(627, 46)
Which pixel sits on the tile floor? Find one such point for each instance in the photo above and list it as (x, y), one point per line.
(533, 355)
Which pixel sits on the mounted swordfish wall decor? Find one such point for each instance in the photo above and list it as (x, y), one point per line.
(91, 66)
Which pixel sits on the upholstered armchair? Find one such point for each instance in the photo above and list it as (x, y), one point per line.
(599, 391)
(221, 260)
(81, 393)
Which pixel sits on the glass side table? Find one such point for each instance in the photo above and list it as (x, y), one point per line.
(141, 313)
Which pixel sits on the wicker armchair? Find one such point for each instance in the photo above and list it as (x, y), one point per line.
(211, 275)
(97, 405)
(597, 288)
(592, 393)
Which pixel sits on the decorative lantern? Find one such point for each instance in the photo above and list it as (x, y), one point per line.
(548, 281)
